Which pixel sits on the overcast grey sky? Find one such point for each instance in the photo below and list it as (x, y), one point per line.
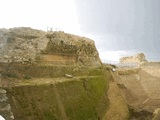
(129, 26)
(118, 27)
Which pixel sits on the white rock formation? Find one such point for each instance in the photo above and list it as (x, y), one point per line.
(138, 58)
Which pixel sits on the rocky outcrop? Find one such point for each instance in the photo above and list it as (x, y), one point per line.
(21, 44)
(156, 114)
(54, 75)
(35, 46)
(140, 88)
(138, 58)
(5, 107)
(118, 109)
(78, 98)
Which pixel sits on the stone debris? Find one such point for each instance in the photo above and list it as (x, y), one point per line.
(5, 107)
(68, 76)
(3, 97)
(2, 91)
(156, 114)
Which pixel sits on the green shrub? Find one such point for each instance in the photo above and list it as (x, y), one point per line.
(27, 77)
(11, 75)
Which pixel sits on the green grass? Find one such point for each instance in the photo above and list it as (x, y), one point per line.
(34, 102)
(26, 77)
(81, 98)
(11, 75)
(40, 71)
(84, 99)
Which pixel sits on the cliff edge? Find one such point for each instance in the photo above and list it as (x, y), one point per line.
(35, 46)
(55, 76)
(140, 86)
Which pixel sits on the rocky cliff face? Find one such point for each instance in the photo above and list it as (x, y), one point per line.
(138, 58)
(21, 44)
(35, 46)
(140, 88)
(5, 107)
(34, 73)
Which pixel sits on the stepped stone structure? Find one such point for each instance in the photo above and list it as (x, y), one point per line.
(50, 75)
(29, 45)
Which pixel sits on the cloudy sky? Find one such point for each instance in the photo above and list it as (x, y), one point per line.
(118, 27)
(122, 27)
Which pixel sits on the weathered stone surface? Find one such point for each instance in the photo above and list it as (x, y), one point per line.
(21, 44)
(138, 58)
(87, 93)
(68, 76)
(142, 90)
(118, 107)
(5, 107)
(156, 114)
(2, 91)
(29, 45)
(3, 97)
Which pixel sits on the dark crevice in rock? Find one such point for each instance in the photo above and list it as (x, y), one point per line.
(140, 115)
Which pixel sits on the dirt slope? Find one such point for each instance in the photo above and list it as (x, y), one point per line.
(140, 89)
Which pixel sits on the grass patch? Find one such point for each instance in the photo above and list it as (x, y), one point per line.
(44, 71)
(83, 99)
(11, 75)
(26, 77)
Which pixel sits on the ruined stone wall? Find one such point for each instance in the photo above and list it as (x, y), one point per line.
(29, 45)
